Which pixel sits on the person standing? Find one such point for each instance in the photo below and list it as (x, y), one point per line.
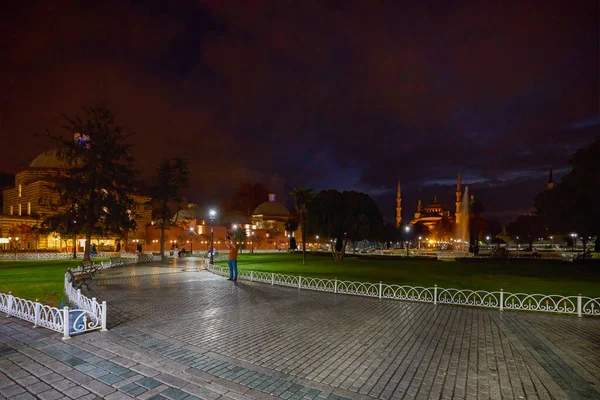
(232, 263)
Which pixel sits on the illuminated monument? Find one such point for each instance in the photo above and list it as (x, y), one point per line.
(433, 213)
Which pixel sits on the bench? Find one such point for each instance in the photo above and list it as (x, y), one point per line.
(145, 258)
(118, 261)
(79, 279)
(89, 267)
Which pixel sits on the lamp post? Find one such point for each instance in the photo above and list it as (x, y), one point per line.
(192, 240)
(252, 242)
(420, 238)
(574, 236)
(212, 214)
(407, 230)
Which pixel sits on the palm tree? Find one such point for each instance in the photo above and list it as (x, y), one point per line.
(301, 199)
(291, 225)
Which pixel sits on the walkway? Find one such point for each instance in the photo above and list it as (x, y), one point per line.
(175, 333)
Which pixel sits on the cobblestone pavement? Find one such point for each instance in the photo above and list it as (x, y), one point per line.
(178, 334)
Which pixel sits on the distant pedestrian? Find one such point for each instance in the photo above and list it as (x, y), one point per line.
(93, 250)
(232, 263)
(139, 248)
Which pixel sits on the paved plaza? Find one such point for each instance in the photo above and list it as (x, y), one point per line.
(177, 331)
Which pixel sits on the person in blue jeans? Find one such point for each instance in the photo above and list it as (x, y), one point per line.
(232, 263)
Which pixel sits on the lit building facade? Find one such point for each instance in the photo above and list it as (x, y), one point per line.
(30, 200)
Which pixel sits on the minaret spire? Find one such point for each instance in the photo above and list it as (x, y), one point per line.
(458, 199)
(398, 206)
(550, 184)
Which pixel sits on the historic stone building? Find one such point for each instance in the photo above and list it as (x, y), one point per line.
(434, 212)
(270, 218)
(28, 202)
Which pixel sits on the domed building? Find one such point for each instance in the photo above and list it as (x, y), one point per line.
(31, 199)
(431, 214)
(271, 217)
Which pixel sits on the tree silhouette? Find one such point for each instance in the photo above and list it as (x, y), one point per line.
(97, 185)
(172, 175)
(302, 198)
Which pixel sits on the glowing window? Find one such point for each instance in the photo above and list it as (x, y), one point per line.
(28, 208)
(19, 209)
(20, 190)
(11, 210)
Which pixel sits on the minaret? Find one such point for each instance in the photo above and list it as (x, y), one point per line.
(550, 184)
(458, 200)
(398, 206)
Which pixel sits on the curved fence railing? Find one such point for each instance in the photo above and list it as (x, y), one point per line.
(578, 305)
(88, 316)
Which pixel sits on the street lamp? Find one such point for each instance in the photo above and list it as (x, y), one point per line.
(252, 242)
(420, 238)
(192, 240)
(407, 230)
(574, 236)
(212, 215)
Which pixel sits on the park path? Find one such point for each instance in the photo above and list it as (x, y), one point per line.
(194, 333)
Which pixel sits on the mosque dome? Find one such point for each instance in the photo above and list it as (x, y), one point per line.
(49, 159)
(271, 208)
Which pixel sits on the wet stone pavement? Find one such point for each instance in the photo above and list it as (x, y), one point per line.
(179, 332)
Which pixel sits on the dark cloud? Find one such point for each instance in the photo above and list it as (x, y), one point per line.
(349, 95)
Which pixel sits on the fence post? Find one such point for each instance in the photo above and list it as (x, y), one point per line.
(37, 313)
(103, 316)
(501, 299)
(272, 278)
(335, 285)
(579, 305)
(11, 300)
(380, 289)
(435, 295)
(299, 281)
(78, 296)
(66, 323)
(251, 275)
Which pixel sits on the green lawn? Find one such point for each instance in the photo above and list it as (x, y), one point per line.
(546, 278)
(36, 279)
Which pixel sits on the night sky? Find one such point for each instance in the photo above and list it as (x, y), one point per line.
(335, 94)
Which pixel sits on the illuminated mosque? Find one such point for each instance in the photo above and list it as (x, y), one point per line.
(434, 212)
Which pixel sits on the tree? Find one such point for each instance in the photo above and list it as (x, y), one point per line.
(172, 175)
(475, 225)
(65, 224)
(572, 205)
(291, 225)
(419, 230)
(28, 235)
(492, 228)
(388, 233)
(240, 236)
(247, 198)
(206, 239)
(527, 227)
(363, 219)
(258, 239)
(443, 229)
(302, 198)
(97, 185)
(344, 216)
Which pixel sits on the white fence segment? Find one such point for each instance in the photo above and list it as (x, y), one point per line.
(88, 317)
(578, 305)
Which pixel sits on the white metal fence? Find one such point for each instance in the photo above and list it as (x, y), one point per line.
(6, 256)
(579, 305)
(90, 315)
